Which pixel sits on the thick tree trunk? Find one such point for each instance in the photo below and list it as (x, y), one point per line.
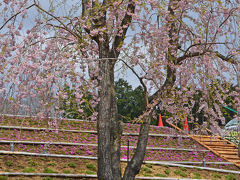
(109, 129)
(104, 123)
(115, 132)
(134, 165)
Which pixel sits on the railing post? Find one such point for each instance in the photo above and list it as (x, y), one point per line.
(44, 151)
(11, 146)
(204, 162)
(128, 151)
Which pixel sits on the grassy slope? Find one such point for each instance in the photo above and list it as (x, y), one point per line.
(20, 163)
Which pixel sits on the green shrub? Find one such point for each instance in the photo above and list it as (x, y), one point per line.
(183, 168)
(167, 171)
(29, 170)
(32, 163)
(47, 178)
(52, 164)
(147, 170)
(20, 167)
(197, 168)
(71, 164)
(66, 171)
(196, 175)
(160, 175)
(180, 173)
(91, 167)
(166, 166)
(48, 170)
(149, 165)
(9, 163)
(89, 172)
(230, 177)
(216, 176)
(3, 177)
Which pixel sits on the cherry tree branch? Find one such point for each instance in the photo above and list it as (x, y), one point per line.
(204, 44)
(140, 80)
(228, 58)
(171, 72)
(189, 55)
(229, 15)
(143, 69)
(56, 18)
(15, 15)
(84, 7)
(194, 54)
(54, 37)
(168, 84)
(118, 41)
(223, 22)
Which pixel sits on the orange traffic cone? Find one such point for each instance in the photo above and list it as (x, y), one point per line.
(186, 124)
(160, 124)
